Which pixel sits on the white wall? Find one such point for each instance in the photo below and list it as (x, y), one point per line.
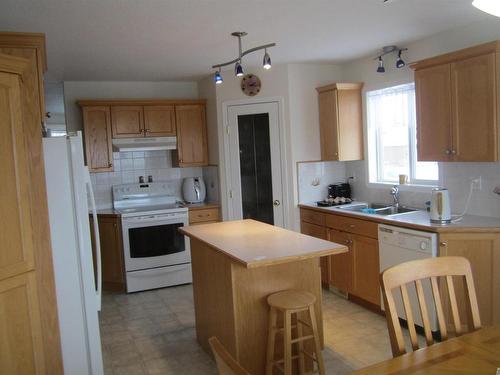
(75, 90)
(303, 79)
(296, 85)
(454, 176)
(207, 90)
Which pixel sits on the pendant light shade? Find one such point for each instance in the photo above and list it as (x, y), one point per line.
(380, 68)
(489, 6)
(266, 62)
(218, 78)
(238, 69)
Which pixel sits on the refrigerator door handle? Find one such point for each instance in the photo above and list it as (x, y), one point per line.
(97, 240)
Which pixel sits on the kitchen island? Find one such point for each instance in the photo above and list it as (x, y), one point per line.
(236, 265)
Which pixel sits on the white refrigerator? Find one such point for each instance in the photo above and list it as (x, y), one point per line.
(69, 192)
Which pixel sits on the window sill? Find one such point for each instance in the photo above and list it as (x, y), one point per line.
(405, 187)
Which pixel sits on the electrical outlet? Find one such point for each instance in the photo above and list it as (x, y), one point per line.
(476, 183)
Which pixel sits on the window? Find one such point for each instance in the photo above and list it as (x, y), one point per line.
(392, 140)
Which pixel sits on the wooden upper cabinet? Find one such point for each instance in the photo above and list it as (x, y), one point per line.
(30, 46)
(340, 120)
(159, 121)
(458, 105)
(191, 135)
(474, 100)
(127, 121)
(97, 132)
(433, 107)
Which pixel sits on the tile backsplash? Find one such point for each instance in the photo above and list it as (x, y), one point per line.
(314, 178)
(129, 166)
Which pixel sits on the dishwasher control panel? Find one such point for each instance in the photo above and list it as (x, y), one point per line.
(407, 238)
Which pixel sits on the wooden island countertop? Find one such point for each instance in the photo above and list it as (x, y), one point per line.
(236, 265)
(255, 244)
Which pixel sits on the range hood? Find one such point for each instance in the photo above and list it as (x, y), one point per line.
(145, 144)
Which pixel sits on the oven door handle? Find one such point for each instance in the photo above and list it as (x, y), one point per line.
(158, 219)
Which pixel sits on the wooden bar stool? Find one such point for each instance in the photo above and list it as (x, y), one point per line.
(291, 302)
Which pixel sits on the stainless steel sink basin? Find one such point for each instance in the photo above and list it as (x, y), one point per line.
(379, 208)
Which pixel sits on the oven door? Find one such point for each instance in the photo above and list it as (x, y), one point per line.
(154, 241)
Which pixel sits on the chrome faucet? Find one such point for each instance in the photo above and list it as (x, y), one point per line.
(395, 195)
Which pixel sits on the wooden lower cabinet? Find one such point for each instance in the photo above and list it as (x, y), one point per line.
(341, 265)
(483, 252)
(112, 258)
(318, 231)
(366, 268)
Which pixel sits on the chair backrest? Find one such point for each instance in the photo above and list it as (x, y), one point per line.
(414, 272)
(226, 364)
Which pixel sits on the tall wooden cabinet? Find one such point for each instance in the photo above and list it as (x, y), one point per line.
(457, 97)
(340, 121)
(105, 120)
(29, 330)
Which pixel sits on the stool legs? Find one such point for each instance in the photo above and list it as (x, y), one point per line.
(317, 345)
(287, 342)
(273, 319)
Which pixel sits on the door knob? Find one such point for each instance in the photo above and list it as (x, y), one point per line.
(276, 202)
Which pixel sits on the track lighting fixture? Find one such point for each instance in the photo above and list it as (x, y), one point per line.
(488, 6)
(386, 51)
(238, 68)
(380, 68)
(218, 78)
(400, 62)
(266, 63)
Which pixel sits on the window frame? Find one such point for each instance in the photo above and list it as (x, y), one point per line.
(373, 137)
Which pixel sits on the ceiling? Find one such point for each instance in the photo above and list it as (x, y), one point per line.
(157, 40)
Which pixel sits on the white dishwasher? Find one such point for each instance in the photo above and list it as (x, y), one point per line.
(398, 245)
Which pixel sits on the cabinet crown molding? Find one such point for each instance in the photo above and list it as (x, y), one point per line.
(25, 40)
(341, 86)
(482, 49)
(139, 102)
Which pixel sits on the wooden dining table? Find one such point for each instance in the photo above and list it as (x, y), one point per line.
(473, 353)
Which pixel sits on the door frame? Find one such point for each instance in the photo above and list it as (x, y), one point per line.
(225, 167)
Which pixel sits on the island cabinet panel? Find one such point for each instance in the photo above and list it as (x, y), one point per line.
(318, 232)
(127, 121)
(191, 125)
(159, 120)
(483, 252)
(97, 133)
(457, 98)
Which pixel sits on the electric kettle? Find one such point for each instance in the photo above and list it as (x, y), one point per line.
(440, 206)
(193, 189)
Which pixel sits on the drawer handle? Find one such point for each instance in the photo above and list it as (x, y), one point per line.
(352, 225)
(443, 244)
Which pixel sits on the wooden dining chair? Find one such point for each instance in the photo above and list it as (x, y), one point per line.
(226, 364)
(414, 272)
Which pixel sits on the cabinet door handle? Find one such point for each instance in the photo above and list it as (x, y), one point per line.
(110, 165)
(443, 244)
(352, 225)
(453, 152)
(448, 152)
(148, 130)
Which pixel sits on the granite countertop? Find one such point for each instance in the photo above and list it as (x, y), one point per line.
(255, 244)
(418, 220)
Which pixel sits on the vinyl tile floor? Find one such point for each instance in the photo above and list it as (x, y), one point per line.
(153, 332)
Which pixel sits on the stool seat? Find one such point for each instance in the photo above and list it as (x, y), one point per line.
(291, 300)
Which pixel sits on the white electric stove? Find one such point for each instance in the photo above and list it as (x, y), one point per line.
(156, 254)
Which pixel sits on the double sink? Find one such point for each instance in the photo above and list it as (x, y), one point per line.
(377, 209)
